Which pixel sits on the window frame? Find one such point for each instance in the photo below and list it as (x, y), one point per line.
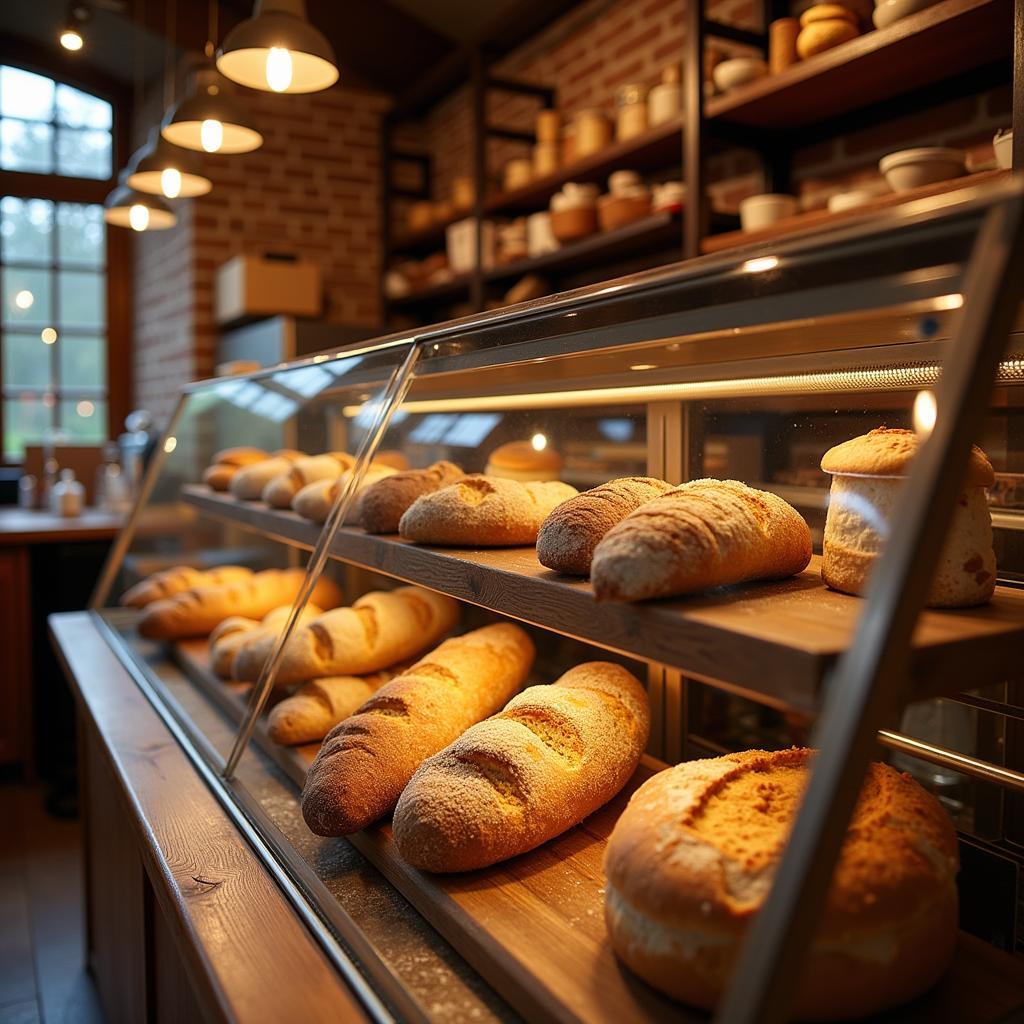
(21, 53)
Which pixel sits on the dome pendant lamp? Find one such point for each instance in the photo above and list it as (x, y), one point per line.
(127, 208)
(210, 121)
(278, 50)
(162, 169)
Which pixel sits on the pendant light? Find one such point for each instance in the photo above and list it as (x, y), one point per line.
(278, 50)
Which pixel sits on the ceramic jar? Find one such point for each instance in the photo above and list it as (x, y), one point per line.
(631, 111)
(665, 100)
(593, 132)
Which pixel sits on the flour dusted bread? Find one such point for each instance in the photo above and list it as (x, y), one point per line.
(551, 758)
(571, 531)
(367, 760)
(382, 504)
(315, 500)
(703, 534)
(169, 582)
(281, 490)
(867, 475)
(381, 628)
(248, 483)
(693, 856)
(231, 635)
(483, 511)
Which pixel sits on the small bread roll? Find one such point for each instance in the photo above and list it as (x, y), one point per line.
(315, 500)
(281, 490)
(248, 483)
(519, 460)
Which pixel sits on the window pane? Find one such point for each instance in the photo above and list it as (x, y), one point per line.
(25, 146)
(80, 110)
(26, 227)
(83, 363)
(81, 235)
(83, 154)
(23, 94)
(27, 297)
(82, 297)
(26, 362)
(25, 422)
(85, 420)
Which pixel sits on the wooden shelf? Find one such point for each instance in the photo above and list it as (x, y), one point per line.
(937, 43)
(427, 239)
(457, 288)
(772, 642)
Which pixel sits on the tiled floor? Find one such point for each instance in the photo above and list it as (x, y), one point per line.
(42, 978)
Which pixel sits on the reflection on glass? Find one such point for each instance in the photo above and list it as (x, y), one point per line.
(26, 230)
(27, 297)
(85, 421)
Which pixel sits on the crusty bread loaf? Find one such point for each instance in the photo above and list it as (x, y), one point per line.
(219, 476)
(198, 611)
(704, 534)
(397, 460)
(281, 491)
(551, 758)
(248, 483)
(169, 582)
(231, 635)
(693, 856)
(382, 504)
(242, 456)
(316, 500)
(319, 705)
(381, 628)
(367, 760)
(519, 460)
(570, 533)
(483, 511)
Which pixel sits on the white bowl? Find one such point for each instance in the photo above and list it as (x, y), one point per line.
(1003, 145)
(888, 11)
(757, 212)
(738, 71)
(911, 168)
(855, 197)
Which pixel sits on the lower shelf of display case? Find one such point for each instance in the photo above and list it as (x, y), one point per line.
(533, 926)
(774, 642)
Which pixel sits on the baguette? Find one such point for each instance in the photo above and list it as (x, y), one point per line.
(169, 582)
(316, 500)
(570, 533)
(248, 483)
(382, 504)
(367, 760)
(707, 533)
(319, 705)
(228, 638)
(198, 611)
(483, 511)
(219, 476)
(381, 628)
(553, 756)
(283, 488)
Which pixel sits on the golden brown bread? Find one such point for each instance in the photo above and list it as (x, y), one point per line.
(704, 534)
(231, 635)
(367, 760)
(281, 490)
(483, 511)
(570, 533)
(693, 856)
(198, 611)
(242, 456)
(519, 460)
(315, 500)
(381, 628)
(382, 504)
(248, 483)
(219, 476)
(169, 582)
(393, 458)
(551, 758)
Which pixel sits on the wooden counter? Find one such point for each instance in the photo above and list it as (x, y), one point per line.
(30, 526)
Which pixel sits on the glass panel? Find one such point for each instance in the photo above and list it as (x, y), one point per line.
(85, 420)
(27, 361)
(26, 146)
(81, 234)
(26, 420)
(83, 154)
(78, 109)
(26, 228)
(23, 94)
(83, 298)
(82, 362)
(27, 298)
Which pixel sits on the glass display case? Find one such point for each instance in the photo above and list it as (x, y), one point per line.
(746, 367)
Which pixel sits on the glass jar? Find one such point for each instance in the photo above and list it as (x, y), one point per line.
(593, 132)
(631, 111)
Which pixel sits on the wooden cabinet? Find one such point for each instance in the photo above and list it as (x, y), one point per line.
(15, 656)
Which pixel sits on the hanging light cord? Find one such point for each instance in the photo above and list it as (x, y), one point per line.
(169, 69)
(211, 34)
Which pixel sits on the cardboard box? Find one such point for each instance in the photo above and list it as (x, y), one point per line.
(247, 287)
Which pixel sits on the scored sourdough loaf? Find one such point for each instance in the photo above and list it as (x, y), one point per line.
(694, 854)
(236, 630)
(382, 504)
(367, 760)
(169, 582)
(570, 533)
(248, 483)
(483, 511)
(310, 713)
(281, 490)
(381, 628)
(703, 534)
(315, 500)
(551, 758)
(198, 611)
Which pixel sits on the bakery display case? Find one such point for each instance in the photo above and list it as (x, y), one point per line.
(746, 366)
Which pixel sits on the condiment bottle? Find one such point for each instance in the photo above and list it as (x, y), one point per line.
(68, 494)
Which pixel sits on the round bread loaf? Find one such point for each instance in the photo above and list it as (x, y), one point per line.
(382, 504)
(693, 856)
(519, 460)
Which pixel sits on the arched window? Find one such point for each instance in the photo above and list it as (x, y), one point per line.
(57, 159)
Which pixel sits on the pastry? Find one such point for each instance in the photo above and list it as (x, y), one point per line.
(824, 26)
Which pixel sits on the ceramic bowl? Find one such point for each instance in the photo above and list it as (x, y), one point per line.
(911, 168)
(888, 11)
(731, 74)
(1003, 145)
(578, 222)
(616, 211)
(855, 197)
(757, 212)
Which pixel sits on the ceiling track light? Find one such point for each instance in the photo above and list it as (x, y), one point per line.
(160, 168)
(210, 121)
(278, 50)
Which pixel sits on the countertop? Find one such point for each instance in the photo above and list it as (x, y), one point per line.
(28, 526)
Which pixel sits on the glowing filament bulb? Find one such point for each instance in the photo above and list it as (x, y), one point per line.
(170, 182)
(71, 39)
(138, 217)
(279, 68)
(211, 135)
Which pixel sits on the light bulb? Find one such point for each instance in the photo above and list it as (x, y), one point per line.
(71, 39)
(926, 411)
(211, 135)
(48, 335)
(24, 299)
(539, 442)
(170, 182)
(138, 217)
(279, 68)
